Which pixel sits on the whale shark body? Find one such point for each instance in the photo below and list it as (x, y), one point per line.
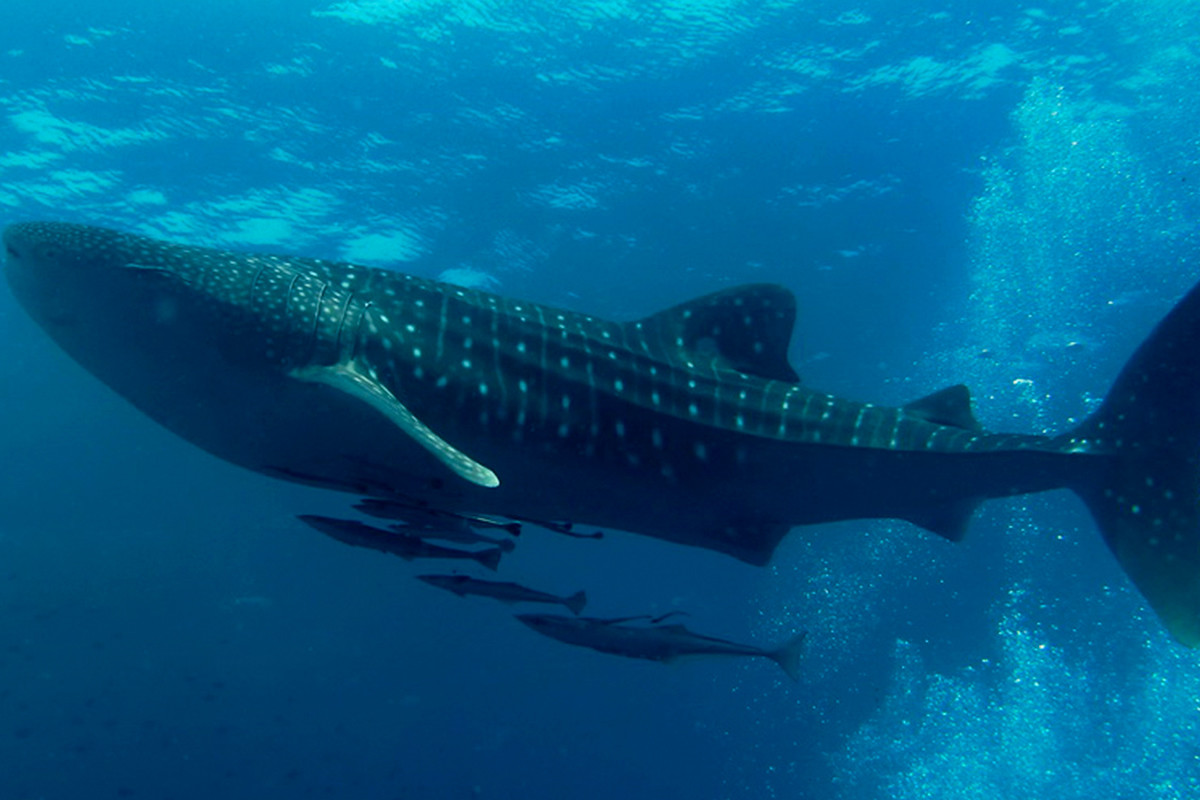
(688, 425)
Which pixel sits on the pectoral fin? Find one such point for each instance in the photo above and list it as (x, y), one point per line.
(353, 381)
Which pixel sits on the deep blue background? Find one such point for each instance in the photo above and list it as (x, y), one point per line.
(1004, 197)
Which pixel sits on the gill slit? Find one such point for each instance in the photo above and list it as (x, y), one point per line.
(366, 309)
(316, 324)
(339, 346)
(254, 282)
(287, 305)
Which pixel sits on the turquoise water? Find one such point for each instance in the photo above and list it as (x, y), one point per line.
(1004, 197)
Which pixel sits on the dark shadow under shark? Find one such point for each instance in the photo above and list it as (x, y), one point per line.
(688, 425)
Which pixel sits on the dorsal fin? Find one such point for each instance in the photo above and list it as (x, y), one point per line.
(747, 329)
(950, 406)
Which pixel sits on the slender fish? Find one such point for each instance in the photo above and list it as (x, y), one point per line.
(409, 548)
(505, 592)
(664, 643)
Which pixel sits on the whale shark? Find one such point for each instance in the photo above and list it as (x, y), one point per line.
(689, 425)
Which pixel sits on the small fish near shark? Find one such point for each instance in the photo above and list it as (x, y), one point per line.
(688, 425)
(433, 519)
(454, 535)
(505, 592)
(415, 515)
(358, 534)
(656, 642)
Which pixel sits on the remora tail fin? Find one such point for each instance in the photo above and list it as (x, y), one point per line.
(1145, 497)
(489, 558)
(576, 602)
(788, 655)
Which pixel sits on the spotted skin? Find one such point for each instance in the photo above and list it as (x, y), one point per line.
(688, 425)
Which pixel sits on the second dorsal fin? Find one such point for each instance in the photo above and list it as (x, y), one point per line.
(950, 406)
(747, 329)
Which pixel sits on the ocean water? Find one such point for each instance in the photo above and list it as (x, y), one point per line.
(997, 194)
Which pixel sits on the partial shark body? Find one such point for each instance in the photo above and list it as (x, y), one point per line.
(688, 425)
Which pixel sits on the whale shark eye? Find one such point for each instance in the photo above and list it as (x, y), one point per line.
(48, 252)
(12, 253)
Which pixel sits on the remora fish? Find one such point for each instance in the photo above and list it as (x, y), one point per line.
(663, 643)
(438, 517)
(432, 518)
(461, 536)
(689, 425)
(462, 586)
(398, 544)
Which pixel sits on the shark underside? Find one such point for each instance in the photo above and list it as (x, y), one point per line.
(689, 425)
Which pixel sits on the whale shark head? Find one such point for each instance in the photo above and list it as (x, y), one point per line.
(166, 326)
(64, 275)
(102, 296)
(135, 312)
(255, 358)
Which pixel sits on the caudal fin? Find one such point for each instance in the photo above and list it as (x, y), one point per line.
(489, 558)
(788, 655)
(1145, 497)
(576, 602)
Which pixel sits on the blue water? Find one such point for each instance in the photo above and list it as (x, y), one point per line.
(1004, 196)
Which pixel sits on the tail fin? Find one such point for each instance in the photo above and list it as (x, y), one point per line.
(576, 602)
(489, 558)
(788, 655)
(1145, 497)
